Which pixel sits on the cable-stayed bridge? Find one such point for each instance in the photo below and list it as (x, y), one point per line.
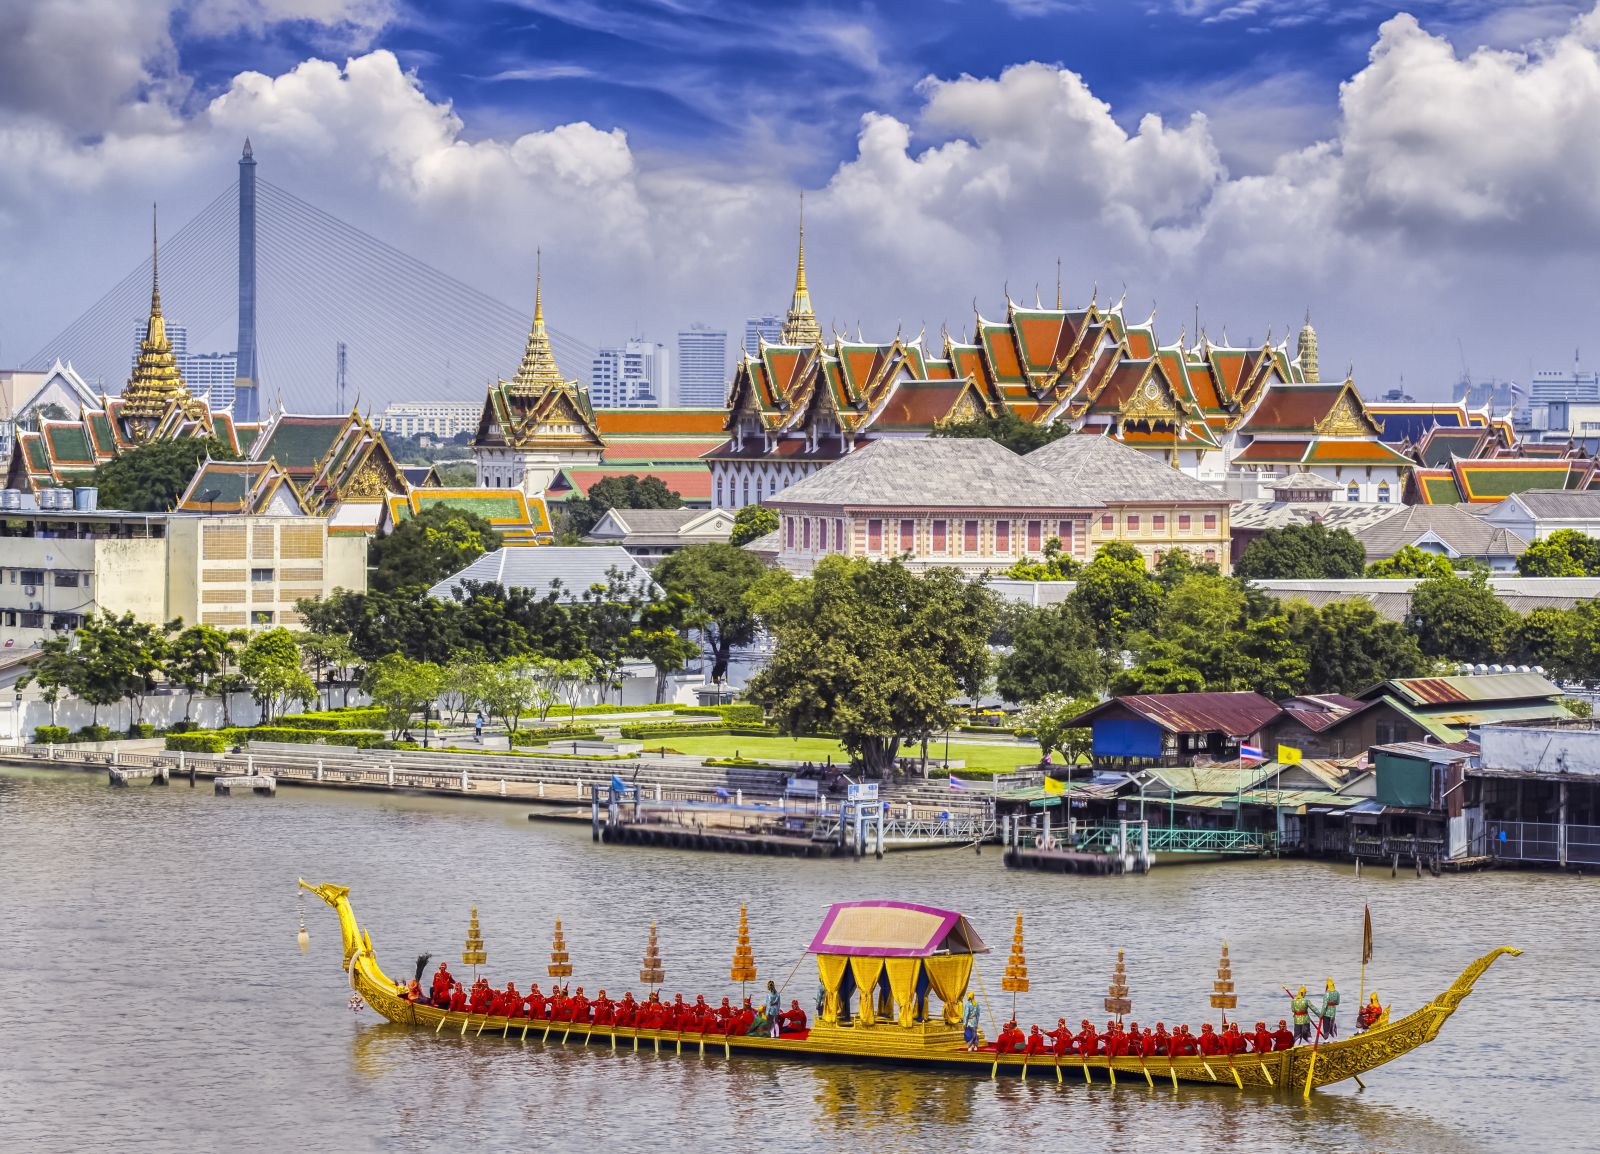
(411, 331)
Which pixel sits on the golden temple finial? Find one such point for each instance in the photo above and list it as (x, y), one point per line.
(1058, 282)
(800, 326)
(1117, 1001)
(560, 962)
(744, 959)
(155, 384)
(538, 371)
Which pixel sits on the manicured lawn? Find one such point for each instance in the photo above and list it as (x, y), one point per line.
(990, 758)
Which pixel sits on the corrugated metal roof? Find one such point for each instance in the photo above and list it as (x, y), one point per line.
(1475, 687)
(1228, 779)
(1235, 714)
(1429, 751)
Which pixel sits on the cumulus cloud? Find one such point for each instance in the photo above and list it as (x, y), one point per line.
(1435, 159)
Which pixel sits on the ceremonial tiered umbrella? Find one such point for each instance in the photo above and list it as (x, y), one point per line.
(744, 962)
(650, 971)
(1117, 1001)
(472, 953)
(560, 963)
(1222, 996)
(1016, 976)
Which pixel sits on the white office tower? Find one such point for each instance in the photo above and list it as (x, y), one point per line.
(702, 368)
(769, 327)
(636, 375)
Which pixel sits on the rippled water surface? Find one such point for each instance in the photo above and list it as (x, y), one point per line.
(157, 1001)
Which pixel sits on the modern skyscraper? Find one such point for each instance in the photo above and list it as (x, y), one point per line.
(756, 329)
(702, 368)
(633, 376)
(247, 406)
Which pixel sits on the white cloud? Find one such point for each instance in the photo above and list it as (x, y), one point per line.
(1398, 227)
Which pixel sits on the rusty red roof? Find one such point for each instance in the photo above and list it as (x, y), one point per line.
(1235, 714)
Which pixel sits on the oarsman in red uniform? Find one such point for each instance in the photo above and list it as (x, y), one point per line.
(1088, 1040)
(1188, 1047)
(1261, 1040)
(724, 1013)
(605, 1010)
(580, 1007)
(1210, 1043)
(442, 981)
(794, 1018)
(534, 1003)
(458, 997)
(653, 1016)
(513, 1001)
(1232, 1042)
(1283, 1037)
(1162, 1040)
(1060, 1038)
(1130, 1044)
(480, 997)
(1036, 1043)
(1150, 1044)
(742, 1021)
(1010, 1039)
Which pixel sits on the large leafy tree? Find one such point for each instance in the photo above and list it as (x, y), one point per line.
(1349, 647)
(1007, 429)
(508, 690)
(751, 522)
(1056, 565)
(1116, 594)
(718, 580)
(57, 670)
(580, 514)
(429, 547)
(1550, 637)
(873, 653)
(658, 638)
(1460, 618)
(1565, 553)
(1409, 561)
(400, 687)
(150, 478)
(1054, 652)
(1047, 720)
(121, 657)
(196, 658)
(1307, 552)
(270, 664)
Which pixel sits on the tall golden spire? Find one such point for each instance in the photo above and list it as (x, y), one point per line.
(800, 327)
(156, 385)
(538, 371)
(1306, 353)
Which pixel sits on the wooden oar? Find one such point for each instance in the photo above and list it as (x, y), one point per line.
(1058, 1069)
(465, 1021)
(1210, 1073)
(1267, 1070)
(1024, 1066)
(1084, 1066)
(1112, 1070)
(442, 1019)
(1145, 1070)
(526, 1022)
(1172, 1072)
(546, 1037)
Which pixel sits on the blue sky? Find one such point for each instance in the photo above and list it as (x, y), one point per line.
(1421, 177)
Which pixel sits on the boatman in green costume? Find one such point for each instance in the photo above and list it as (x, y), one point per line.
(1301, 1006)
(969, 1022)
(1330, 1007)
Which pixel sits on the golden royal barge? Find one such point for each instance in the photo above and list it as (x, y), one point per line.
(917, 951)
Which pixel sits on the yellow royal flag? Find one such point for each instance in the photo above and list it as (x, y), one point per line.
(1051, 785)
(1288, 755)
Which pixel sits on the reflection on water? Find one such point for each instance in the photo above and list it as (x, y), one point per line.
(151, 938)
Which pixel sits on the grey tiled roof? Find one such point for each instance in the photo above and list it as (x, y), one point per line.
(934, 471)
(657, 520)
(1460, 530)
(1104, 469)
(1562, 504)
(538, 567)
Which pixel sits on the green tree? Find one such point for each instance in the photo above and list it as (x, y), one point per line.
(458, 695)
(1460, 618)
(751, 522)
(508, 690)
(196, 658)
(400, 687)
(718, 580)
(1565, 553)
(1116, 594)
(607, 617)
(1210, 636)
(1007, 429)
(1047, 720)
(121, 657)
(658, 638)
(1350, 647)
(1410, 561)
(1545, 636)
(580, 514)
(872, 652)
(427, 548)
(1056, 566)
(56, 670)
(1177, 564)
(150, 478)
(1054, 653)
(270, 666)
(330, 658)
(1306, 552)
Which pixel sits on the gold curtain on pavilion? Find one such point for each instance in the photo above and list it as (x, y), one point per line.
(903, 981)
(866, 971)
(830, 968)
(949, 974)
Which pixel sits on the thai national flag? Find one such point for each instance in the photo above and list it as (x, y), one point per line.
(1251, 753)
(956, 782)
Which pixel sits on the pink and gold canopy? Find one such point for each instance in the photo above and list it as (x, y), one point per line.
(894, 930)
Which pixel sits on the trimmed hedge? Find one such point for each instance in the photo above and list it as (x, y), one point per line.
(183, 727)
(356, 717)
(51, 735)
(359, 738)
(554, 733)
(743, 714)
(671, 729)
(197, 743)
(985, 729)
(738, 763)
(93, 733)
(142, 729)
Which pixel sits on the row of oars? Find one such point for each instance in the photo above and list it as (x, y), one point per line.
(566, 1033)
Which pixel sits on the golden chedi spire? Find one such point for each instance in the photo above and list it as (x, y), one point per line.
(1306, 354)
(156, 385)
(538, 371)
(800, 327)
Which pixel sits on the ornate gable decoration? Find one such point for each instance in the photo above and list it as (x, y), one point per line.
(1347, 417)
(1152, 400)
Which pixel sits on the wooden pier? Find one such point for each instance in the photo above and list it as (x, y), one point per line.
(260, 784)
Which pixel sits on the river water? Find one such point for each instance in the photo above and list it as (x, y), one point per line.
(156, 999)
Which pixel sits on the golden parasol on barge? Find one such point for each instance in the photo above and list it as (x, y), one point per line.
(909, 954)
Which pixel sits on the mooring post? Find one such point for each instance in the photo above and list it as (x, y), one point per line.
(464, 782)
(738, 797)
(319, 769)
(114, 752)
(594, 816)
(391, 775)
(502, 787)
